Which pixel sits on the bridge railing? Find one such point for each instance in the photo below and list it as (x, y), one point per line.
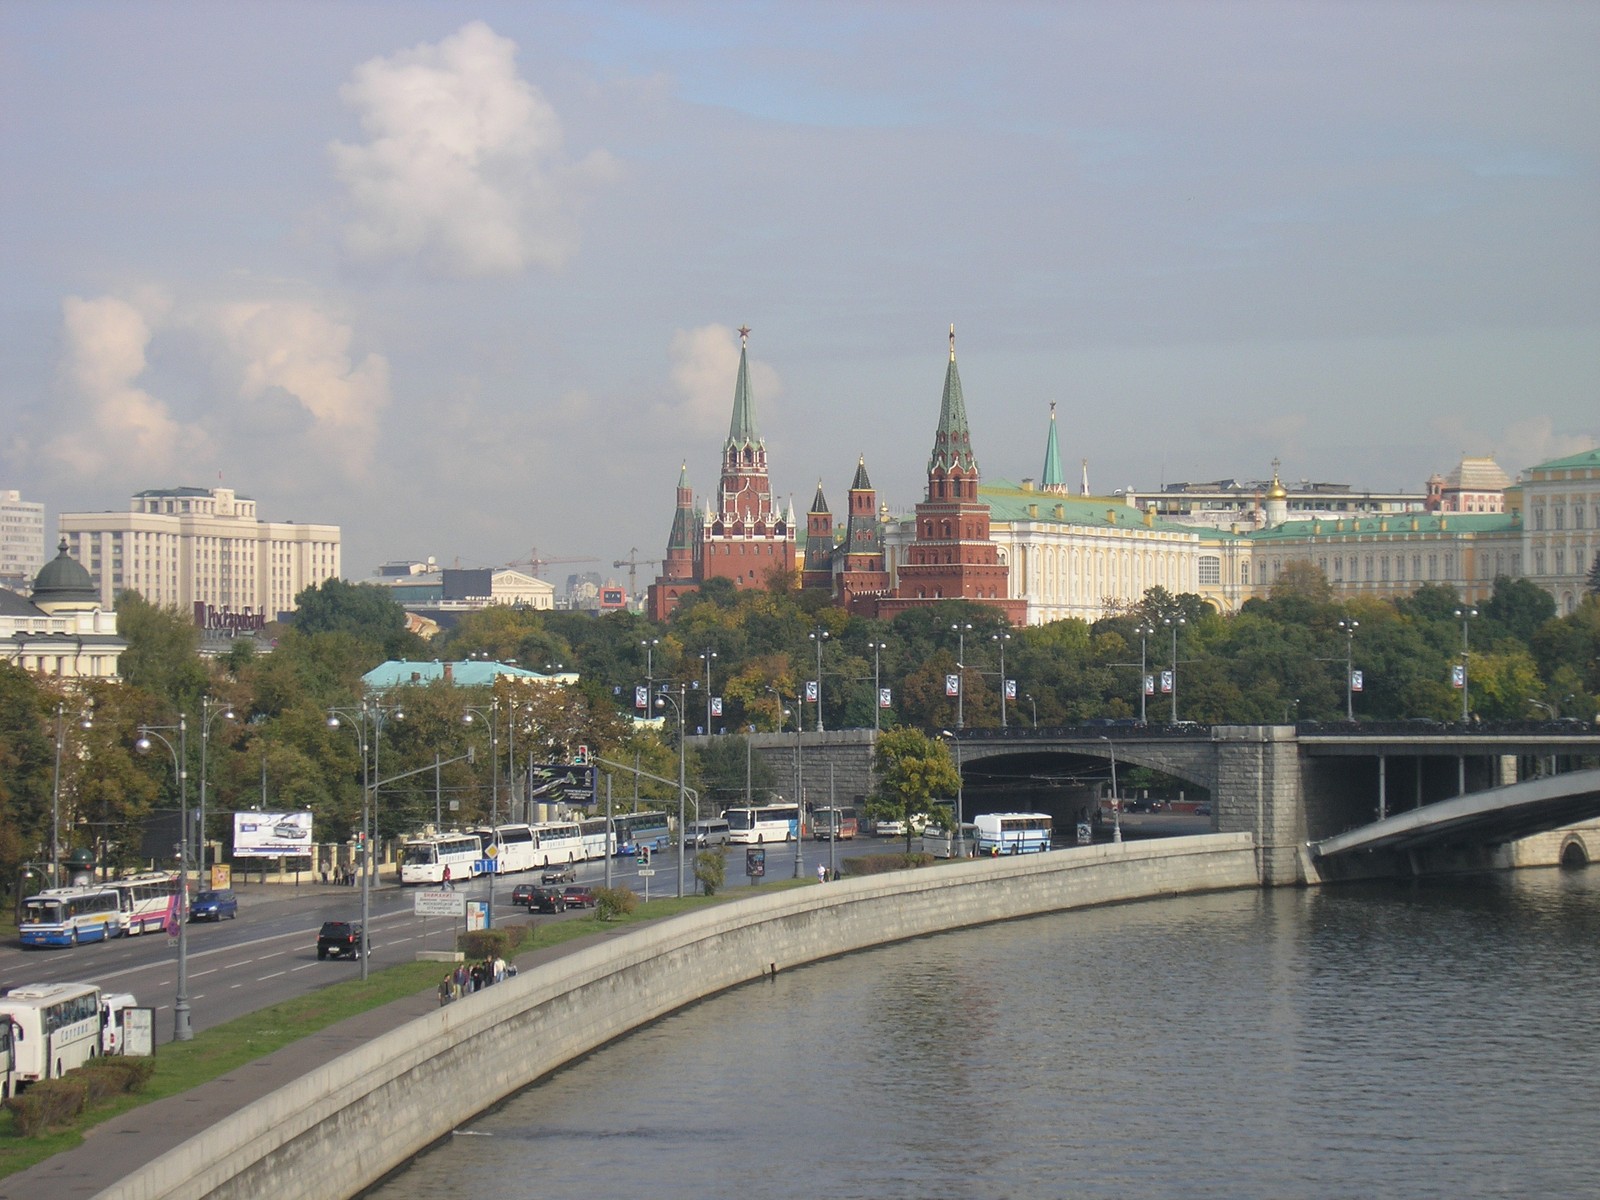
(1414, 726)
(1089, 731)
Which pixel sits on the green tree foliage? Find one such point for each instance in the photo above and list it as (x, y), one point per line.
(1518, 607)
(710, 871)
(362, 609)
(163, 654)
(913, 771)
(721, 765)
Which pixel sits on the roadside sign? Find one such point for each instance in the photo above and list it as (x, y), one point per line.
(755, 863)
(441, 903)
(1085, 833)
(647, 871)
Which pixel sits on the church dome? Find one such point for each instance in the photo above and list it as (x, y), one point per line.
(1277, 491)
(64, 581)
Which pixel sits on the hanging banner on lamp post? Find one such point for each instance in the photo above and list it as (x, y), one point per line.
(952, 685)
(1355, 681)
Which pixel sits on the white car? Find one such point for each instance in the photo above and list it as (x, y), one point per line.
(890, 829)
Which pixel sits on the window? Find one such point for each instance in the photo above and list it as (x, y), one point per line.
(1210, 569)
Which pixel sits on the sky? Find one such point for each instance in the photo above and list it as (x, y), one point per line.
(465, 280)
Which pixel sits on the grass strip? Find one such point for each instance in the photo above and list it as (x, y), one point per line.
(182, 1066)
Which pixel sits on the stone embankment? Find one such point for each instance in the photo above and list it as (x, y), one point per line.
(348, 1122)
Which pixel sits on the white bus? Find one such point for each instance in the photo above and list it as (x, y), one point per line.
(1012, 833)
(598, 841)
(8, 1061)
(67, 916)
(558, 842)
(55, 1027)
(423, 860)
(515, 848)
(766, 823)
(145, 901)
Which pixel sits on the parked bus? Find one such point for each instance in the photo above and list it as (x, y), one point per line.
(558, 842)
(515, 848)
(633, 831)
(598, 840)
(55, 1028)
(1012, 833)
(941, 842)
(829, 823)
(145, 901)
(423, 860)
(67, 916)
(766, 823)
(8, 1060)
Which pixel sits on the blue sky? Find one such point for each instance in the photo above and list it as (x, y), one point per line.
(464, 280)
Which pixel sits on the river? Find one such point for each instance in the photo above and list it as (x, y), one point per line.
(1421, 1039)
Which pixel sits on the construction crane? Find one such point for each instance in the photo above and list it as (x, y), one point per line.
(537, 565)
(633, 562)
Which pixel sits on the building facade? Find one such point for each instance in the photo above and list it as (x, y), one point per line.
(203, 550)
(21, 540)
(1560, 503)
(62, 630)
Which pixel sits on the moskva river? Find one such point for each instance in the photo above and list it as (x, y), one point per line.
(1413, 1040)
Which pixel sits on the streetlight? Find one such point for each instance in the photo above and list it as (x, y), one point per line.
(182, 1028)
(662, 700)
(1349, 626)
(961, 667)
(1465, 616)
(513, 711)
(961, 786)
(877, 691)
(209, 709)
(1000, 639)
(1175, 624)
(1035, 707)
(491, 715)
(819, 636)
(375, 713)
(706, 656)
(1116, 806)
(1146, 631)
(649, 645)
(55, 793)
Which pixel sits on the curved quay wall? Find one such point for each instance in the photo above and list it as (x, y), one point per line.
(345, 1125)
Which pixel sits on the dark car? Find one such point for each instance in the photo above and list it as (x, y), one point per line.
(578, 896)
(523, 894)
(342, 939)
(539, 899)
(213, 906)
(560, 874)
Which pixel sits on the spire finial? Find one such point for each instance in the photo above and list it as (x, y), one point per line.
(744, 336)
(952, 343)
(1052, 410)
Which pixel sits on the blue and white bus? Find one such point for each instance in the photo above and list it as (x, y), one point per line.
(764, 823)
(640, 830)
(67, 916)
(1011, 833)
(598, 840)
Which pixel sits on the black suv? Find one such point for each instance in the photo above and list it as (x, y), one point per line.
(538, 899)
(341, 939)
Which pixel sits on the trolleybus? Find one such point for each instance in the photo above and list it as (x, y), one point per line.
(765, 823)
(69, 915)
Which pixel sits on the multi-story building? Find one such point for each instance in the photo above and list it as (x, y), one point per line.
(21, 539)
(62, 630)
(1560, 506)
(203, 550)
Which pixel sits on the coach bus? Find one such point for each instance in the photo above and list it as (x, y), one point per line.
(55, 1027)
(1011, 833)
(69, 915)
(598, 840)
(558, 842)
(145, 902)
(640, 830)
(516, 848)
(829, 823)
(765, 823)
(424, 860)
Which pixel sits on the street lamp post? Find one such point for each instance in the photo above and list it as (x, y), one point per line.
(1032, 704)
(663, 699)
(1116, 805)
(209, 709)
(1465, 616)
(182, 1025)
(649, 645)
(819, 636)
(877, 689)
(1175, 624)
(706, 656)
(961, 787)
(1349, 628)
(368, 711)
(1146, 631)
(1000, 639)
(55, 793)
(961, 631)
(491, 715)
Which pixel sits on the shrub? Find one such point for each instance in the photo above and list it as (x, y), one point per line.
(479, 944)
(711, 870)
(48, 1104)
(611, 903)
(877, 864)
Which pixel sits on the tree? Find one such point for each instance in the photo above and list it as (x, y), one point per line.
(1594, 575)
(363, 609)
(1519, 607)
(722, 763)
(163, 654)
(710, 871)
(912, 770)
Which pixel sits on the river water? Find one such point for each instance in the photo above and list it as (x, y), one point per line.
(1423, 1039)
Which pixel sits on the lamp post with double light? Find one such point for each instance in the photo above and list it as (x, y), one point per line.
(1116, 805)
(1465, 616)
(1349, 627)
(1032, 704)
(85, 722)
(649, 645)
(706, 656)
(961, 631)
(491, 714)
(209, 711)
(819, 635)
(678, 702)
(368, 714)
(877, 690)
(961, 787)
(1146, 631)
(1175, 624)
(182, 1024)
(1000, 639)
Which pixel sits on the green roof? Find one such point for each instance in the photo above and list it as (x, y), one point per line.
(1009, 502)
(1589, 458)
(1393, 525)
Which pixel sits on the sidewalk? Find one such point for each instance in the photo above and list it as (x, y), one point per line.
(113, 1149)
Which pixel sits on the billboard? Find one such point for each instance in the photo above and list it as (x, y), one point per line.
(269, 834)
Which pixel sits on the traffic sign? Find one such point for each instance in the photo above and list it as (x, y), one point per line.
(439, 904)
(647, 871)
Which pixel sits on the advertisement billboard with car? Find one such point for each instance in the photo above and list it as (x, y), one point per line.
(270, 834)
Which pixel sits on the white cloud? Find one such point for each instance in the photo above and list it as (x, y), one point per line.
(114, 425)
(705, 368)
(464, 167)
(293, 350)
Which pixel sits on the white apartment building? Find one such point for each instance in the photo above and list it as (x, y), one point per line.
(205, 547)
(21, 540)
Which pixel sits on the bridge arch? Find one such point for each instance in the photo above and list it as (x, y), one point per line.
(1574, 853)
